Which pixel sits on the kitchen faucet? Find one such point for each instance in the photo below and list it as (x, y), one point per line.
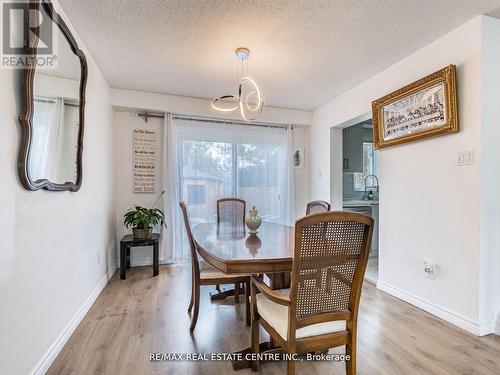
(374, 179)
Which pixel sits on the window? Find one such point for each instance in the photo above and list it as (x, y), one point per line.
(370, 166)
(196, 194)
(215, 160)
(208, 164)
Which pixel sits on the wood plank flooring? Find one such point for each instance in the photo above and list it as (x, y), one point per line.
(141, 315)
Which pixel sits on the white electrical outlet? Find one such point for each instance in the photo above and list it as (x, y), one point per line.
(429, 270)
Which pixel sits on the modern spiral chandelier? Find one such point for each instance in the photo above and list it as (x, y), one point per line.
(249, 100)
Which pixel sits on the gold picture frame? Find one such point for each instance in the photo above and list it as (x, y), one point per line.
(423, 109)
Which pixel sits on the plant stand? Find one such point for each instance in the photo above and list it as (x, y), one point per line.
(128, 242)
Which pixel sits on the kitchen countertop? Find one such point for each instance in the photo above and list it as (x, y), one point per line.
(359, 203)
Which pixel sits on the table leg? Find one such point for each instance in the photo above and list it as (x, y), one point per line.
(272, 343)
(223, 293)
(279, 280)
(128, 256)
(123, 264)
(156, 259)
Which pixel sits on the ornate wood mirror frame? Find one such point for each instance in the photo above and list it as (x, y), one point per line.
(26, 117)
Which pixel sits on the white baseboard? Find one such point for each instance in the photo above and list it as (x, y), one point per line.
(144, 262)
(497, 326)
(486, 328)
(441, 312)
(56, 347)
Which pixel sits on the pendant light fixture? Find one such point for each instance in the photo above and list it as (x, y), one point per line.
(249, 100)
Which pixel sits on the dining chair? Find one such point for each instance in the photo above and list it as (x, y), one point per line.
(317, 313)
(231, 210)
(317, 206)
(203, 273)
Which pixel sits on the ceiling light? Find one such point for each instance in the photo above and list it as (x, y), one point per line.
(249, 99)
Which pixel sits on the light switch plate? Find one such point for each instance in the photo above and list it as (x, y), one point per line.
(465, 158)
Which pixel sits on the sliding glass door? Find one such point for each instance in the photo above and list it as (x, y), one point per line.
(206, 173)
(259, 176)
(215, 160)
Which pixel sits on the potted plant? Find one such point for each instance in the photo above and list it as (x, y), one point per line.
(143, 219)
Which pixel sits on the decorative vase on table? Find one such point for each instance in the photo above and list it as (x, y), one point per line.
(253, 220)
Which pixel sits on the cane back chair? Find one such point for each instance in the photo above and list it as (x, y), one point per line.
(320, 309)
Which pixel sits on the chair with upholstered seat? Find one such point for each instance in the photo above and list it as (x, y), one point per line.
(231, 211)
(204, 274)
(317, 206)
(320, 309)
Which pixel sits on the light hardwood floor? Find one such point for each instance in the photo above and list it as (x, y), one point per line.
(143, 315)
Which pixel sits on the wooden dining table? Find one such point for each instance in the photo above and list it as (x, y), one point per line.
(233, 250)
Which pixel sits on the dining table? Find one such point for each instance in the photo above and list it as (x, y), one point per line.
(230, 248)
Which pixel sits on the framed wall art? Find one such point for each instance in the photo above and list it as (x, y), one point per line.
(425, 108)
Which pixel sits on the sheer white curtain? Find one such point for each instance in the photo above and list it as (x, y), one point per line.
(167, 242)
(48, 116)
(68, 141)
(214, 160)
(290, 179)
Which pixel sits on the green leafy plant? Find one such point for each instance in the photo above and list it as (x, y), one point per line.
(144, 218)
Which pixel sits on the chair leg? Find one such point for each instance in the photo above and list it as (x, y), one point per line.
(350, 349)
(237, 292)
(196, 302)
(192, 297)
(247, 302)
(255, 343)
(290, 367)
(272, 342)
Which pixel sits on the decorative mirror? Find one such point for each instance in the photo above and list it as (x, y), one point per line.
(52, 120)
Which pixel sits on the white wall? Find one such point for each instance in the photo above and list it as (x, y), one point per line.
(490, 177)
(429, 207)
(51, 86)
(126, 121)
(124, 125)
(57, 248)
(302, 175)
(184, 105)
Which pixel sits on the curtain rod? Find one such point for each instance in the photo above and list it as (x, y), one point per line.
(230, 122)
(49, 100)
(147, 115)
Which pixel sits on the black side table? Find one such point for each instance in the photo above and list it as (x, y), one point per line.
(128, 241)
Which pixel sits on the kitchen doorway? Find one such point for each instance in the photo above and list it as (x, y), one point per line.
(360, 182)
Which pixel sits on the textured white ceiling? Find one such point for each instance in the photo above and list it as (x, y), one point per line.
(304, 52)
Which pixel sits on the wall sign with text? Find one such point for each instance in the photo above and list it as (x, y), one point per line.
(144, 161)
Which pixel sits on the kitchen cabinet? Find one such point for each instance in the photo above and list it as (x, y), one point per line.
(369, 208)
(352, 138)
